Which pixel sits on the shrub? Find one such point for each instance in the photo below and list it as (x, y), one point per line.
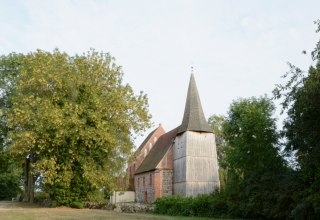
(213, 205)
(9, 187)
(39, 197)
(76, 204)
(42, 198)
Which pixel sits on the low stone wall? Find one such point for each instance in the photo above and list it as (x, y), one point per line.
(103, 206)
(121, 197)
(134, 208)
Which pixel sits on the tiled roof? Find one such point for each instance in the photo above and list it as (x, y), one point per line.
(193, 119)
(149, 136)
(158, 151)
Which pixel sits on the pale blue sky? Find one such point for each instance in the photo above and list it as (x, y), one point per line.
(237, 48)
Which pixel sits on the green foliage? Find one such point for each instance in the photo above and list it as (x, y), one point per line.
(9, 169)
(216, 123)
(256, 185)
(41, 196)
(203, 205)
(74, 117)
(9, 186)
(302, 125)
(300, 97)
(255, 167)
(76, 205)
(251, 133)
(97, 197)
(10, 174)
(316, 53)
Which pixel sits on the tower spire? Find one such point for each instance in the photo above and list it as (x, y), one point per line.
(193, 118)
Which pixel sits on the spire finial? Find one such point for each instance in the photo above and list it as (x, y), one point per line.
(191, 69)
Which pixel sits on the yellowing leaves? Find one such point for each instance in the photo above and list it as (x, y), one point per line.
(76, 115)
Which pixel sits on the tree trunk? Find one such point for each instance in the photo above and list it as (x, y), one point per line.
(31, 187)
(29, 180)
(26, 180)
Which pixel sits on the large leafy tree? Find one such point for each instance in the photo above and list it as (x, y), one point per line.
(71, 122)
(216, 123)
(10, 171)
(300, 97)
(251, 133)
(252, 158)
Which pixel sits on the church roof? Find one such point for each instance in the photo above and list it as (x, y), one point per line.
(193, 119)
(160, 131)
(157, 152)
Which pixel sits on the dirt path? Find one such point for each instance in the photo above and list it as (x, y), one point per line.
(5, 205)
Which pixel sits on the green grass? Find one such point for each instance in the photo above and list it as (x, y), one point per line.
(21, 211)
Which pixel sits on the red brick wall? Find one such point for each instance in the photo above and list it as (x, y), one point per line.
(167, 160)
(162, 180)
(157, 184)
(146, 186)
(135, 165)
(161, 185)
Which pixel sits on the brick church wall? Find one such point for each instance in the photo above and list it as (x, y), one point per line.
(144, 151)
(167, 186)
(152, 185)
(167, 160)
(145, 187)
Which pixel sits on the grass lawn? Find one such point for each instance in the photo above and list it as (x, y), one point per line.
(21, 211)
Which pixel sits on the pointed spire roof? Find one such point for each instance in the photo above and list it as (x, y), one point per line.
(193, 119)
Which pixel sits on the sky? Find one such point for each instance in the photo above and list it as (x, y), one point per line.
(237, 48)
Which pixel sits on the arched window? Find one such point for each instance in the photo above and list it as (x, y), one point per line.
(145, 197)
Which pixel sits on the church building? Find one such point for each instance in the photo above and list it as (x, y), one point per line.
(181, 161)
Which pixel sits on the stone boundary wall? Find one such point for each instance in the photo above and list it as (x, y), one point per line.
(122, 196)
(134, 208)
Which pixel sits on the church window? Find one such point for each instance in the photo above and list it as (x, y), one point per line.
(145, 197)
(150, 181)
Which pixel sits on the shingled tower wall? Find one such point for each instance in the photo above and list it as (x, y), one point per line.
(195, 156)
